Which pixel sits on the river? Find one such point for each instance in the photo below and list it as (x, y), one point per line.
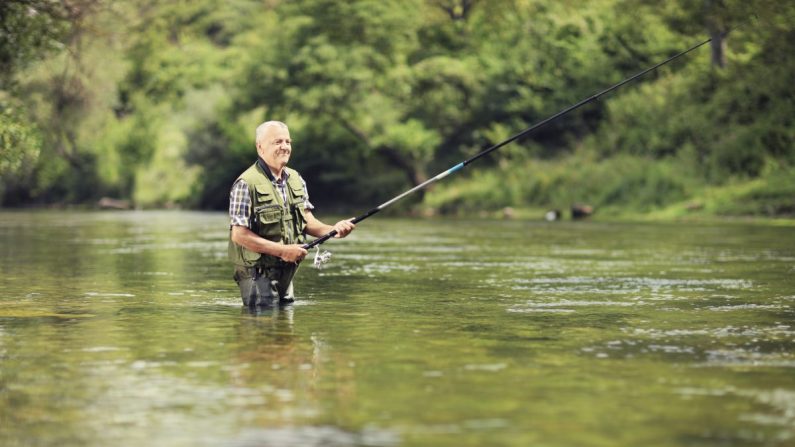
(125, 329)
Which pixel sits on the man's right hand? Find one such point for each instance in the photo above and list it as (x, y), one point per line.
(293, 253)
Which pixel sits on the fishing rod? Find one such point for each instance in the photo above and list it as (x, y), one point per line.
(493, 148)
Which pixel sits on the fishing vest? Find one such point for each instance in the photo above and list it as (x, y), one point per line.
(271, 218)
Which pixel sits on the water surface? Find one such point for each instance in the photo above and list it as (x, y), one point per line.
(126, 329)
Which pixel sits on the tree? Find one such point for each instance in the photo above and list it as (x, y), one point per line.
(29, 29)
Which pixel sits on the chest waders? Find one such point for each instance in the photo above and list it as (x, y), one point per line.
(263, 278)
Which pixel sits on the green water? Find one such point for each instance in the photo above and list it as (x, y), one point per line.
(125, 329)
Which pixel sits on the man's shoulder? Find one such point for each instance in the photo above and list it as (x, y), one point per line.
(294, 178)
(240, 183)
(292, 172)
(252, 175)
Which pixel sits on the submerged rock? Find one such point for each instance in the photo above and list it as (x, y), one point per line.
(581, 211)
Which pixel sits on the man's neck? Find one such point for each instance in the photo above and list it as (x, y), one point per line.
(276, 173)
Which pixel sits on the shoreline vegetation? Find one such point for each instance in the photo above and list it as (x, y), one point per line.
(673, 214)
(750, 200)
(153, 106)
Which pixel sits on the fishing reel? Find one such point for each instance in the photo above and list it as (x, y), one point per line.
(321, 258)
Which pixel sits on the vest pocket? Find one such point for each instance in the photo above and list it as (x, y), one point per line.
(264, 195)
(299, 213)
(250, 256)
(269, 218)
(297, 208)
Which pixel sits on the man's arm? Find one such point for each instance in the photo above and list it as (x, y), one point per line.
(316, 228)
(251, 241)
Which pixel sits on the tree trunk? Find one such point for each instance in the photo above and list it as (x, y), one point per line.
(718, 45)
(415, 171)
(716, 31)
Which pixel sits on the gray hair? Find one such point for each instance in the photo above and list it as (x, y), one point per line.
(262, 128)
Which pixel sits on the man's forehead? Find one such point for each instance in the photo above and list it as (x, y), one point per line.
(273, 132)
(282, 136)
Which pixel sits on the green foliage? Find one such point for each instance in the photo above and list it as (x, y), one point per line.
(728, 121)
(223, 149)
(20, 146)
(20, 142)
(621, 182)
(158, 101)
(353, 77)
(771, 195)
(30, 29)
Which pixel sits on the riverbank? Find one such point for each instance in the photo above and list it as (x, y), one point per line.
(625, 187)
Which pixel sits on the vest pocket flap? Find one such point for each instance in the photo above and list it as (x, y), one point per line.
(268, 214)
(264, 193)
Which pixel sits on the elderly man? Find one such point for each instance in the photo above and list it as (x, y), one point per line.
(270, 216)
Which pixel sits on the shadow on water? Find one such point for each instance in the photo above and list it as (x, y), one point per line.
(268, 325)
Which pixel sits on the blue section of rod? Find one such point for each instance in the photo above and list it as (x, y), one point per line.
(457, 167)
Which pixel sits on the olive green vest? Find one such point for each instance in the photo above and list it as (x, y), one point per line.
(271, 218)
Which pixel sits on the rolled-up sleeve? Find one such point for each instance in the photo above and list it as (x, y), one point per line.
(240, 204)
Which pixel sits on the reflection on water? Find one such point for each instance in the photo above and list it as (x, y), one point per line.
(126, 329)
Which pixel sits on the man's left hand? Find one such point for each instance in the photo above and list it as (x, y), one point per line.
(344, 227)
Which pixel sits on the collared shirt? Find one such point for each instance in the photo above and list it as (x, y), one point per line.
(240, 200)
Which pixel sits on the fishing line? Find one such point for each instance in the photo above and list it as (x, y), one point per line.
(323, 257)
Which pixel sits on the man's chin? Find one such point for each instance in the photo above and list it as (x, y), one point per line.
(277, 165)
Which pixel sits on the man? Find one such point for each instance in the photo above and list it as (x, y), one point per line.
(270, 215)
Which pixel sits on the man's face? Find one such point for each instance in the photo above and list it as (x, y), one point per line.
(275, 147)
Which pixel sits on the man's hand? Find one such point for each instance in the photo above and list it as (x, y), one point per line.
(344, 227)
(316, 228)
(293, 253)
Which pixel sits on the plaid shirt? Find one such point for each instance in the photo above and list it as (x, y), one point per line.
(240, 200)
